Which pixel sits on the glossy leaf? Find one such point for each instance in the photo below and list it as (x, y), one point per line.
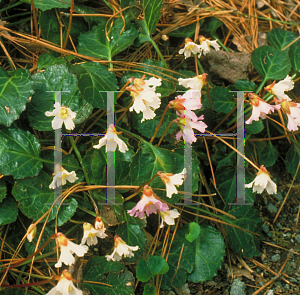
(35, 198)
(93, 78)
(133, 235)
(49, 4)
(98, 269)
(55, 78)
(280, 38)
(19, 153)
(91, 20)
(222, 100)
(95, 44)
(2, 189)
(151, 13)
(268, 156)
(244, 243)
(194, 231)
(244, 85)
(8, 211)
(149, 290)
(294, 54)
(16, 88)
(255, 127)
(147, 269)
(46, 60)
(270, 62)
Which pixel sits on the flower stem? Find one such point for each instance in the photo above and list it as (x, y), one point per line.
(158, 52)
(160, 122)
(261, 85)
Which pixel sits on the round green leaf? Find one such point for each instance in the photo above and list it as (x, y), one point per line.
(35, 198)
(270, 62)
(19, 153)
(268, 156)
(95, 44)
(194, 231)
(294, 54)
(280, 38)
(147, 269)
(149, 290)
(55, 78)
(222, 100)
(92, 78)
(8, 211)
(133, 235)
(255, 127)
(15, 91)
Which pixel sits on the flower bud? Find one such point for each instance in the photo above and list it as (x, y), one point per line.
(32, 230)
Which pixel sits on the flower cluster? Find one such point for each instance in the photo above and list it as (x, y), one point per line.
(204, 47)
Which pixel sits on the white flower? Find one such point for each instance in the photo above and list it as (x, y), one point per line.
(279, 88)
(90, 234)
(195, 83)
(145, 98)
(292, 110)
(111, 140)
(65, 286)
(168, 217)
(61, 176)
(99, 225)
(205, 45)
(170, 180)
(263, 181)
(189, 47)
(67, 248)
(31, 232)
(62, 115)
(121, 248)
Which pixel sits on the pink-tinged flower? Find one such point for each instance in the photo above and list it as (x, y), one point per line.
(168, 217)
(99, 224)
(292, 111)
(67, 248)
(32, 230)
(262, 181)
(148, 204)
(189, 47)
(61, 176)
(259, 108)
(65, 286)
(279, 88)
(205, 45)
(187, 125)
(111, 140)
(90, 234)
(172, 180)
(195, 83)
(184, 104)
(146, 100)
(62, 115)
(121, 248)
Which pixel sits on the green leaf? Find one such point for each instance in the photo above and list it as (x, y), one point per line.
(148, 127)
(211, 24)
(35, 198)
(132, 10)
(226, 183)
(255, 127)
(49, 4)
(270, 62)
(185, 32)
(16, 88)
(292, 160)
(150, 66)
(69, 161)
(19, 153)
(8, 211)
(46, 60)
(194, 231)
(280, 38)
(98, 269)
(244, 243)
(209, 252)
(133, 235)
(55, 78)
(2, 190)
(294, 54)
(149, 290)
(222, 100)
(131, 219)
(50, 28)
(91, 20)
(151, 13)
(244, 85)
(92, 78)
(147, 269)
(268, 156)
(95, 44)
